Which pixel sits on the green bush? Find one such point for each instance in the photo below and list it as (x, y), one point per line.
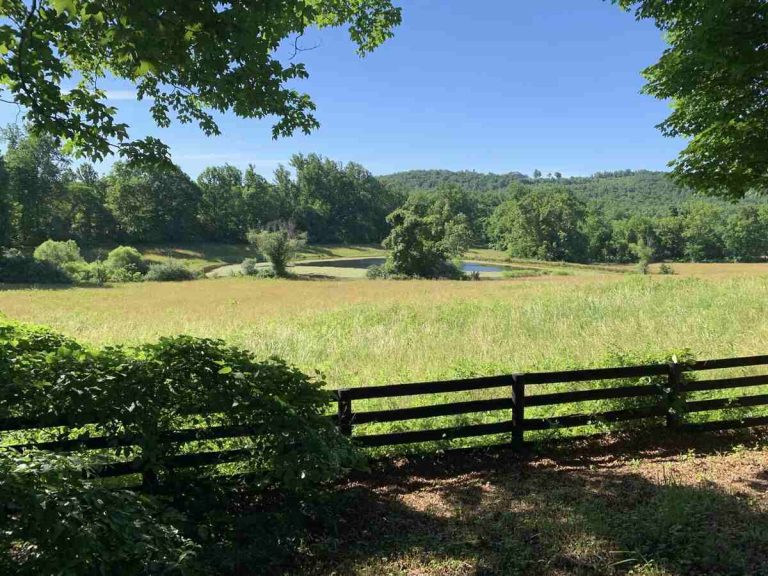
(170, 271)
(666, 269)
(443, 270)
(292, 451)
(279, 244)
(292, 446)
(251, 266)
(123, 275)
(16, 268)
(377, 272)
(55, 521)
(59, 253)
(94, 273)
(126, 259)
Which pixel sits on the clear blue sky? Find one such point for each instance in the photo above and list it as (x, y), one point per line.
(486, 85)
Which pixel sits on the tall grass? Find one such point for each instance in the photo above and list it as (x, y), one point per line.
(376, 332)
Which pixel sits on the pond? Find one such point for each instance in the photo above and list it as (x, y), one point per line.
(368, 262)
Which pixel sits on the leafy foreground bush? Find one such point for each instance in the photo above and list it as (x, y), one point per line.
(292, 450)
(54, 521)
(16, 268)
(170, 271)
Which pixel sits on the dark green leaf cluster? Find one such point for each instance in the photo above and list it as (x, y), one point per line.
(715, 71)
(145, 393)
(53, 520)
(189, 59)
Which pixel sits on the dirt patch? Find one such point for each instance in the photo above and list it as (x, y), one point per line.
(684, 505)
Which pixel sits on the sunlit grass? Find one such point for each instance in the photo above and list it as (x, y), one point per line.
(361, 333)
(375, 332)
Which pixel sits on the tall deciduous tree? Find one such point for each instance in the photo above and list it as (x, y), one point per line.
(425, 236)
(153, 205)
(35, 168)
(716, 73)
(543, 223)
(188, 58)
(221, 211)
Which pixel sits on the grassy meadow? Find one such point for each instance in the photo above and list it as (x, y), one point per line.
(374, 332)
(361, 332)
(358, 332)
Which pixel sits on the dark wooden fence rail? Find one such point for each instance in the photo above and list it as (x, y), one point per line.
(664, 395)
(667, 401)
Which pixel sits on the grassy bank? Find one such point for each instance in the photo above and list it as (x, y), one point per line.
(208, 256)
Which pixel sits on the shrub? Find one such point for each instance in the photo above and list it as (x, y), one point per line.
(250, 266)
(59, 253)
(292, 446)
(377, 271)
(123, 275)
(292, 450)
(87, 273)
(16, 268)
(440, 269)
(279, 245)
(57, 522)
(264, 273)
(666, 269)
(127, 259)
(169, 271)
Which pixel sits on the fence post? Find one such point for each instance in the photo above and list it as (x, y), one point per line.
(518, 410)
(674, 389)
(149, 481)
(344, 412)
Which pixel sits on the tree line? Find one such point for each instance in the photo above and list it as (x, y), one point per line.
(42, 196)
(609, 217)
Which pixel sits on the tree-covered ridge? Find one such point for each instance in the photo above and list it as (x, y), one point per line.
(467, 179)
(617, 194)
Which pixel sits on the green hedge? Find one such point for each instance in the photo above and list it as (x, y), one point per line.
(147, 391)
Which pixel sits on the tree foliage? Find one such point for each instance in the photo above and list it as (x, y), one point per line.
(427, 233)
(190, 59)
(544, 223)
(715, 70)
(279, 244)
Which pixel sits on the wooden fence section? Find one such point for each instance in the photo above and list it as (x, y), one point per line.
(663, 396)
(666, 395)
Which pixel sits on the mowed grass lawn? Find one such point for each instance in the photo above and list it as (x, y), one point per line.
(374, 332)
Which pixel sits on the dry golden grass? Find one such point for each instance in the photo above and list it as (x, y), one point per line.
(715, 269)
(373, 332)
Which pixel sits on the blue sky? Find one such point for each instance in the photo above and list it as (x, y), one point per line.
(486, 85)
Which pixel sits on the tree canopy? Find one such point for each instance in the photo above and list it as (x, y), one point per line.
(715, 70)
(188, 58)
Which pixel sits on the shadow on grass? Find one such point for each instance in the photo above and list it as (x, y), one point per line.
(569, 511)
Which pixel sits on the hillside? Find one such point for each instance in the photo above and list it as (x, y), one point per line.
(619, 194)
(466, 179)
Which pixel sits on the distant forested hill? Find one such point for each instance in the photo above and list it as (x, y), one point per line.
(466, 179)
(619, 194)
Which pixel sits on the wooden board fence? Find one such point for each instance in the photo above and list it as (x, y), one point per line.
(664, 395)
